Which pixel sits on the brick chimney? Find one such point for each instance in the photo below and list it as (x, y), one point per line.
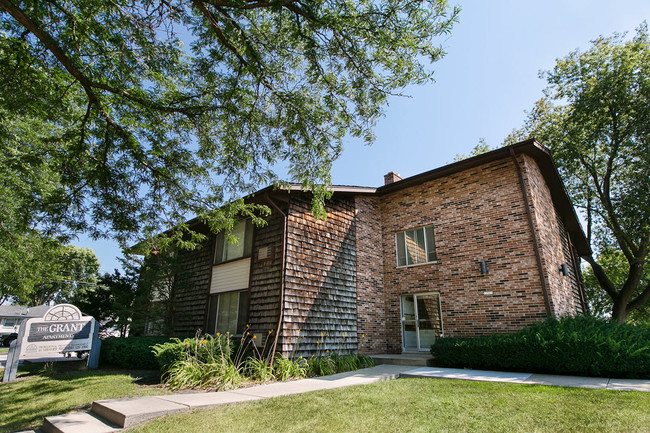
(391, 177)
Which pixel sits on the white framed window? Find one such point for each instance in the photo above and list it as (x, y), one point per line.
(225, 251)
(228, 312)
(415, 246)
(9, 323)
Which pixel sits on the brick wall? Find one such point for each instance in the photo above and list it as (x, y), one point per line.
(564, 291)
(320, 285)
(478, 214)
(371, 317)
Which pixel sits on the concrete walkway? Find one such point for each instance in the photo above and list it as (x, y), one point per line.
(113, 415)
(531, 379)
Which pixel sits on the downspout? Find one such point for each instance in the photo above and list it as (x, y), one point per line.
(283, 271)
(538, 257)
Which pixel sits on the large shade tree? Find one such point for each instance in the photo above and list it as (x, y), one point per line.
(125, 117)
(596, 121)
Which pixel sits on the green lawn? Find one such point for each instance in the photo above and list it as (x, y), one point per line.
(4, 349)
(426, 405)
(36, 395)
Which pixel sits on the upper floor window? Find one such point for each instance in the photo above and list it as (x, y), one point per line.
(226, 251)
(415, 246)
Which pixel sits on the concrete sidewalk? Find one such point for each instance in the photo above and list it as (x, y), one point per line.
(113, 415)
(531, 379)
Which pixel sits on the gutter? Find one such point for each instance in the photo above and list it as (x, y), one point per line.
(533, 232)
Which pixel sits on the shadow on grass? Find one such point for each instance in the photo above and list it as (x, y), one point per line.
(42, 391)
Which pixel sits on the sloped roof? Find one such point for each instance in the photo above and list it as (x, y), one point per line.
(22, 312)
(543, 159)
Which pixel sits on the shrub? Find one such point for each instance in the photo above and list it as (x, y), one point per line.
(285, 368)
(205, 349)
(579, 345)
(132, 353)
(193, 373)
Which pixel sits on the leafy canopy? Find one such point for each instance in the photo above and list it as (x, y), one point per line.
(596, 120)
(122, 118)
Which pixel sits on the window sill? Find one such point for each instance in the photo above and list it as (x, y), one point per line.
(435, 262)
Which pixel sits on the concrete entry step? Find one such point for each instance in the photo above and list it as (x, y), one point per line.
(128, 412)
(77, 422)
(415, 359)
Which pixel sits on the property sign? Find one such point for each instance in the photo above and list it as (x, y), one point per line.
(62, 329)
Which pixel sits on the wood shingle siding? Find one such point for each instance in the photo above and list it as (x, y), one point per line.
(320, 292)
(264, 302)
(191, 295)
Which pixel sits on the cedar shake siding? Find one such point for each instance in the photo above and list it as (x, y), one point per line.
(264, 304)
(320, 288)
(191, 289)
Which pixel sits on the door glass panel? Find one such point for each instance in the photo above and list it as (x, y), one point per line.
(427, 334)
(409, 328)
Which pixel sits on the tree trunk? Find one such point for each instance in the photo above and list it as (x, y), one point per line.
(619, 312)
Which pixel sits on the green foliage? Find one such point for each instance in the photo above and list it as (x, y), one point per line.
(617, 269)
(583, 346)
(123, 118)
(35, 269)
(286, 368)
(481, 148)
(135, 353)
(595, 119)
(206, 362)
(204, 348)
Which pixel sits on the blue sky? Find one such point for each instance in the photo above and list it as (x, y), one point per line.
(487, 80)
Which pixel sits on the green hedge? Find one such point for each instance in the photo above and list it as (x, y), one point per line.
(132, 353)
(583, 346)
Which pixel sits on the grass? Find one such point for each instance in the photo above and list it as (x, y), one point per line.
(4, 349)
(42, 391)
(426, 405)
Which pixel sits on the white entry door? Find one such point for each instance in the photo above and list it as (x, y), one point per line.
(421, 321)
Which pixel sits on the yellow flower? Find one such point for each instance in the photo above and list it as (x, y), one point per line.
(203, 342)
(254, 337)
(345, 335)
(248, 333)
(327, 351)
(270, 330)
(218, 334)
(228, 332)
(298, 331)
(317, 342)
(187, 343)
(322, 334)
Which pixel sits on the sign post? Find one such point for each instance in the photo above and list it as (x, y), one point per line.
(11, 367)
(62, 329)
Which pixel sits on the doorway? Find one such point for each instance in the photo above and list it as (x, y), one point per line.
(421, 321)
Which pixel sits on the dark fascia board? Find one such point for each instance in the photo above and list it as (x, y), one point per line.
(260, 196)
(543, 158)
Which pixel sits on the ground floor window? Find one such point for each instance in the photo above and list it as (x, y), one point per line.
(228, 312)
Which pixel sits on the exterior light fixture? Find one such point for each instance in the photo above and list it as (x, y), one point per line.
(484, 269)
(564, 269)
